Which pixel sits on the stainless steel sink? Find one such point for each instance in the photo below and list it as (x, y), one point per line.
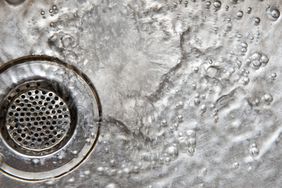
(147, 93)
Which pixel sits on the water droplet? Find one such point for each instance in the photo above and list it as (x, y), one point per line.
(208, 4)
(74, 152)
(244, 45)
(191, 133)
(88, 140)
(267, 98)
(217, 5)
(273, 13)
(100, 169)
(42, 12)
(203, 108)
(264, 59)
(35, 161)
(258, 59)
(112, 185)
(191, 141)
(254, 151)
(239, 14)
(245, 80)
(87, 172)
(54, 7)
(164, 123)
(196, 69)
(197, 101)
(273, 76)
(212, 71)
(172, 150)
(249, 10)
(235, 165)
(256, 64)
(68, 41)
(256, 20)
(52, 24)
(180, 118)
(50, 182)
(71, 180)
(255, 56)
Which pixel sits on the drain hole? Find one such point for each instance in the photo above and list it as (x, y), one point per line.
(39, 130)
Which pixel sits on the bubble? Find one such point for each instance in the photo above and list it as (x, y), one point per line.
(235, 165)
(35, 161)
(267, 98)
(258, 59)
(197, 101)
(191, 133)
(112, 185)
(54, 7)
(196, 69)
(208, 4)
(15, 2)
(42, 12)
(191, 141)
(180, 118)
(273, 13)
(50, 182)
(100, 169)
(264, 59)
(249, 10)
(203, 108)
(256, 20)
(239, 14)
(217, 5)
(244, 45)
(172, 150)
(212, 71)
(254, 151)
(164, 123)
(52, 24)
(273, 76)
(256, 64)
(245, 80)
(255, 56)
(68, 41)
(71, 180)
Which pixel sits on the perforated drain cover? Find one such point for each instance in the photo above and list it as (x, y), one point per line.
(50, 117)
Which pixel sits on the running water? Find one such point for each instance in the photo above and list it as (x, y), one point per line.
(190, 89)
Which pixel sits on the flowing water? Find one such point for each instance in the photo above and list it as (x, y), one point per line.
(190, 89)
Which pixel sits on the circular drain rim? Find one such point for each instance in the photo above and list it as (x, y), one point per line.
(84, 153)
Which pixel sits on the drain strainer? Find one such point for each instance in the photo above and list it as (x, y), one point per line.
(50, 117)
(38, 120)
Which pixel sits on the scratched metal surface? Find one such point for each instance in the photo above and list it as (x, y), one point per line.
(190, 90)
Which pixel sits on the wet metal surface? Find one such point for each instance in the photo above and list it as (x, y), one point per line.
(190, 89)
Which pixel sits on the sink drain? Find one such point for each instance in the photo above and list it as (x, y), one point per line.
(37, 118)
(48, 126)
(36, 121)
